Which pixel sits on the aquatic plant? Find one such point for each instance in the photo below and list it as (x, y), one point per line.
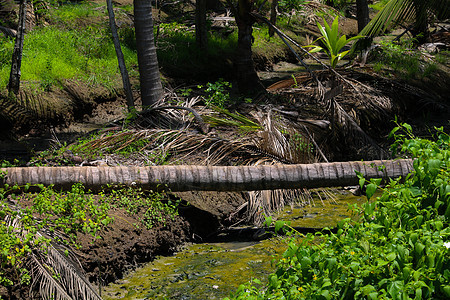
(397, 249)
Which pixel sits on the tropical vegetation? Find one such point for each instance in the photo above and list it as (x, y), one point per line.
(332, 42)
(395, 247)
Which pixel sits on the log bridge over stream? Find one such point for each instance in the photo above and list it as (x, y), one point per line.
(179, 178)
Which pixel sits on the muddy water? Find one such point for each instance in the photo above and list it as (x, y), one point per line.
(213, 271)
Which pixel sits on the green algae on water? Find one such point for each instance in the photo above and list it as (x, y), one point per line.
(213, 271)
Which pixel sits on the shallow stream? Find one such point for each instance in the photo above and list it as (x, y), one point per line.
(214, 270)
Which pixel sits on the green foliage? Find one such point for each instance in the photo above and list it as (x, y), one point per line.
(378, 5)
(68, 13)
(52, 55)
(217, 93)
(399, 248)
(61, 215)
(233, 119)
(341, 5)
(403, 60)
(266, 48)
(151, 209)
(332, 43)
(289, 7)
(179, 55)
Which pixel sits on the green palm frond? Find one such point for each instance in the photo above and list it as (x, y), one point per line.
(333, 43)
(234, 120)
(399, 11)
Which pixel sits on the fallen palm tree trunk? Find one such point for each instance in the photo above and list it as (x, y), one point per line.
(211, 178)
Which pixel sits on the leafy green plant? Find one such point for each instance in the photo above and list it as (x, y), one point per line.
(332, 42)
(151, 208)
(217, 93)
(396, 247)
(403, 60)
(30, 229)
(290, 6)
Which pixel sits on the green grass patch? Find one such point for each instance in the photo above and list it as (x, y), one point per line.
(69, 14)
(378, 5)
(404, 61)
(179, 56)
(52, 55)
(265, 47)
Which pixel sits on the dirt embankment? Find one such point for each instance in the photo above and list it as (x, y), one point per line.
(125, 244)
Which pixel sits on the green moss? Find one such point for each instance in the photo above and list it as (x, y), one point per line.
(213, 271)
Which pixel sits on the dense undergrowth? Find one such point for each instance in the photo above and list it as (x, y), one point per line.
(399, 247)
(32, 223)
(76, 44)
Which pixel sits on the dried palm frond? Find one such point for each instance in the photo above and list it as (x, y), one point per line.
(290, 142)
(54, 268)
(352, 131)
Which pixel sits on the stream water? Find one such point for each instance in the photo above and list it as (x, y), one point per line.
(214, 270)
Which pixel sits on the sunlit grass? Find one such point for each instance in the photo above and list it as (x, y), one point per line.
(70, 12)
(51, 55)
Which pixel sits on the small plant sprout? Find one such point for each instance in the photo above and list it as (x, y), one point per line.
(332, 43)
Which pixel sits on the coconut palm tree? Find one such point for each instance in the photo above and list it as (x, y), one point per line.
(150, 81)
(201, 33)
(362, 13)
(417, 11)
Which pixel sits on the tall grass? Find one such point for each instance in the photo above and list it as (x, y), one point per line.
(51, 55)
(68, 14)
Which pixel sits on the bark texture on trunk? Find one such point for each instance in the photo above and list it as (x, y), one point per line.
(362, 13)
(120, 58)
(246, 76)
(14, 77)
(211, 178)
(151, 87)
(273, 16)
(201, 32)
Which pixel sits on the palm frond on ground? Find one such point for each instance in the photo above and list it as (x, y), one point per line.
(264, 137)
(403, 11)
(55, 270)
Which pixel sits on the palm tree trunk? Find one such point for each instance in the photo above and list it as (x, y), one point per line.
(120, 58)
(201, 32)
(14, 77)
(210, 178)
(151, 87)
(273, 17)
(246, 76)
(362, 14)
